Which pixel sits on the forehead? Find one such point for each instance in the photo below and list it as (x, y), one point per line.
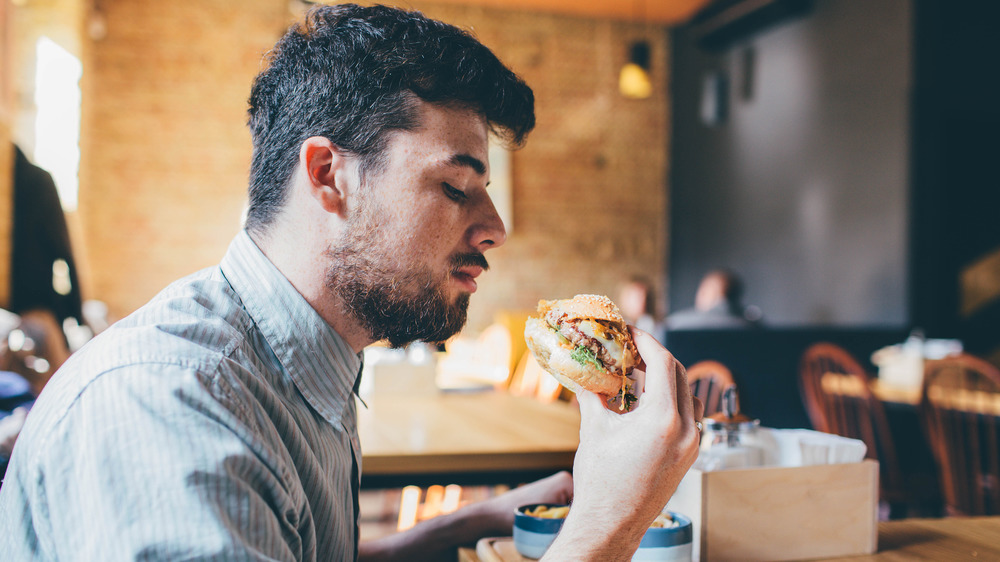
(444, 135)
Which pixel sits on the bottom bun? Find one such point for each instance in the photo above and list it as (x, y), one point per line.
(554, 356)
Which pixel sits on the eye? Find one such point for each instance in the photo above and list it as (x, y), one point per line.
(454, 193)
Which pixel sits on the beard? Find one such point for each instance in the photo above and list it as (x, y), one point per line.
(392, 301)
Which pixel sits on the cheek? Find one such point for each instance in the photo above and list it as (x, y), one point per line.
(425, 227)
(417, 238)
(435, 228)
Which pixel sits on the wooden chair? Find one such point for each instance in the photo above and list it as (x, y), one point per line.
(513, 321)
(838, 399)
(960, 407)
(708, 380)
(530, 379)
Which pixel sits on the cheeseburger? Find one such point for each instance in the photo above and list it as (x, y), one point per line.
(584, 343)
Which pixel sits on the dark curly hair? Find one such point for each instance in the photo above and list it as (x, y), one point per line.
(352, 74)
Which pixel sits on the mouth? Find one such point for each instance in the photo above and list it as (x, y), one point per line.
(466, 268)
(466, 277)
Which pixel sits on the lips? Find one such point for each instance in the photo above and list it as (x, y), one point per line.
(466, 277)
(465, 267)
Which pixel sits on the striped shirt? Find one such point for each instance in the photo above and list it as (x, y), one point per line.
(216, 422)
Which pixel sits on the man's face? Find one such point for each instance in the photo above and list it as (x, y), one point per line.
(710, 293)
(418, 230)
(632, 301)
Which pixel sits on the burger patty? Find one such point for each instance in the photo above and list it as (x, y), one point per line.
(572, 332)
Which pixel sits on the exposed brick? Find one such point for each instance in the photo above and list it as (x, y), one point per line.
(166, 150)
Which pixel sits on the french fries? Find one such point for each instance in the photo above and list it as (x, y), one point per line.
(546, 512)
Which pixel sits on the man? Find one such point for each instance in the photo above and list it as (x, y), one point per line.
(717, 304)
(218, 420)
(637, 301)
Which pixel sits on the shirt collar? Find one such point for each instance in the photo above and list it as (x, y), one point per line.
(320, 363)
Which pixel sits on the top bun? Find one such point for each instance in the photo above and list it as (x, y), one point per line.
(584, 306)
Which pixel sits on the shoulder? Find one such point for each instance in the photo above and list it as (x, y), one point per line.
(181, 350)
(201, 309)
(683, 318)
(164, 387)
(162, 432)
(690, 319)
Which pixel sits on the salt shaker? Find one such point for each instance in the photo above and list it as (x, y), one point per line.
(729, 438)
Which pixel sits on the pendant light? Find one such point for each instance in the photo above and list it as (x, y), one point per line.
(633, 80)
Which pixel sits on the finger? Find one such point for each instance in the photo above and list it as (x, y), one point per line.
(661, 377)
(699, 409)
(640, 364)
(685, 400)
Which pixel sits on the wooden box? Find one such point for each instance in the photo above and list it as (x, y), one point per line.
(781, 513)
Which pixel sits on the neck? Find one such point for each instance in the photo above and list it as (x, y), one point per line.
(300, 255)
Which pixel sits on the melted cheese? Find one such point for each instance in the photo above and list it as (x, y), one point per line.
(614, 346)
(596, 331)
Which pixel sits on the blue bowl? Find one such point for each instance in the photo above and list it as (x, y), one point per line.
(667, 543)
(533, 535)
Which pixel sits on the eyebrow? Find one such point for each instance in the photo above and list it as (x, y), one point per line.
(470, 161)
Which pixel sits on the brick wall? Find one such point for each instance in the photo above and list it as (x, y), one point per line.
(165, 149)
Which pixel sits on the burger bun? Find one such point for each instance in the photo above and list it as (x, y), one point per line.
(554, 354)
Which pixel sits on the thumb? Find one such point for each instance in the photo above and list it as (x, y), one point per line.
(590, 404)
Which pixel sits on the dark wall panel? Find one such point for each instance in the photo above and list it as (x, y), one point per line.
(802, 185)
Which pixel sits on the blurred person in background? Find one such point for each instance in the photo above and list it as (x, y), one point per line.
(219, 421)
(43, 271)
(718, 303)
(637, 301)
(44, 289)
(44, 294)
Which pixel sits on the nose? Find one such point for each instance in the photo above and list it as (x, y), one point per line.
(488, 231)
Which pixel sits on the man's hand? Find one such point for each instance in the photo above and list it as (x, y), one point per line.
(499, 511)
(628, 465)
(438, 538)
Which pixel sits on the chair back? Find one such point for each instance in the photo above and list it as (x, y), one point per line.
(960, 407)
(708, 380)
(530, 379)
(513, 321)
(838, 399)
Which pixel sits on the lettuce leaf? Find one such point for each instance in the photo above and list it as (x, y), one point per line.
(583, 356)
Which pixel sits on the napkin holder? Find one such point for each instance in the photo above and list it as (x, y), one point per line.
(781, 512)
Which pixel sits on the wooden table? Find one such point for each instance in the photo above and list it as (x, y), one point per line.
(436, 437)
(895, 394)
(976, 538)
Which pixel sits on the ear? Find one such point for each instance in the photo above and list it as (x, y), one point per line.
(326, 168)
